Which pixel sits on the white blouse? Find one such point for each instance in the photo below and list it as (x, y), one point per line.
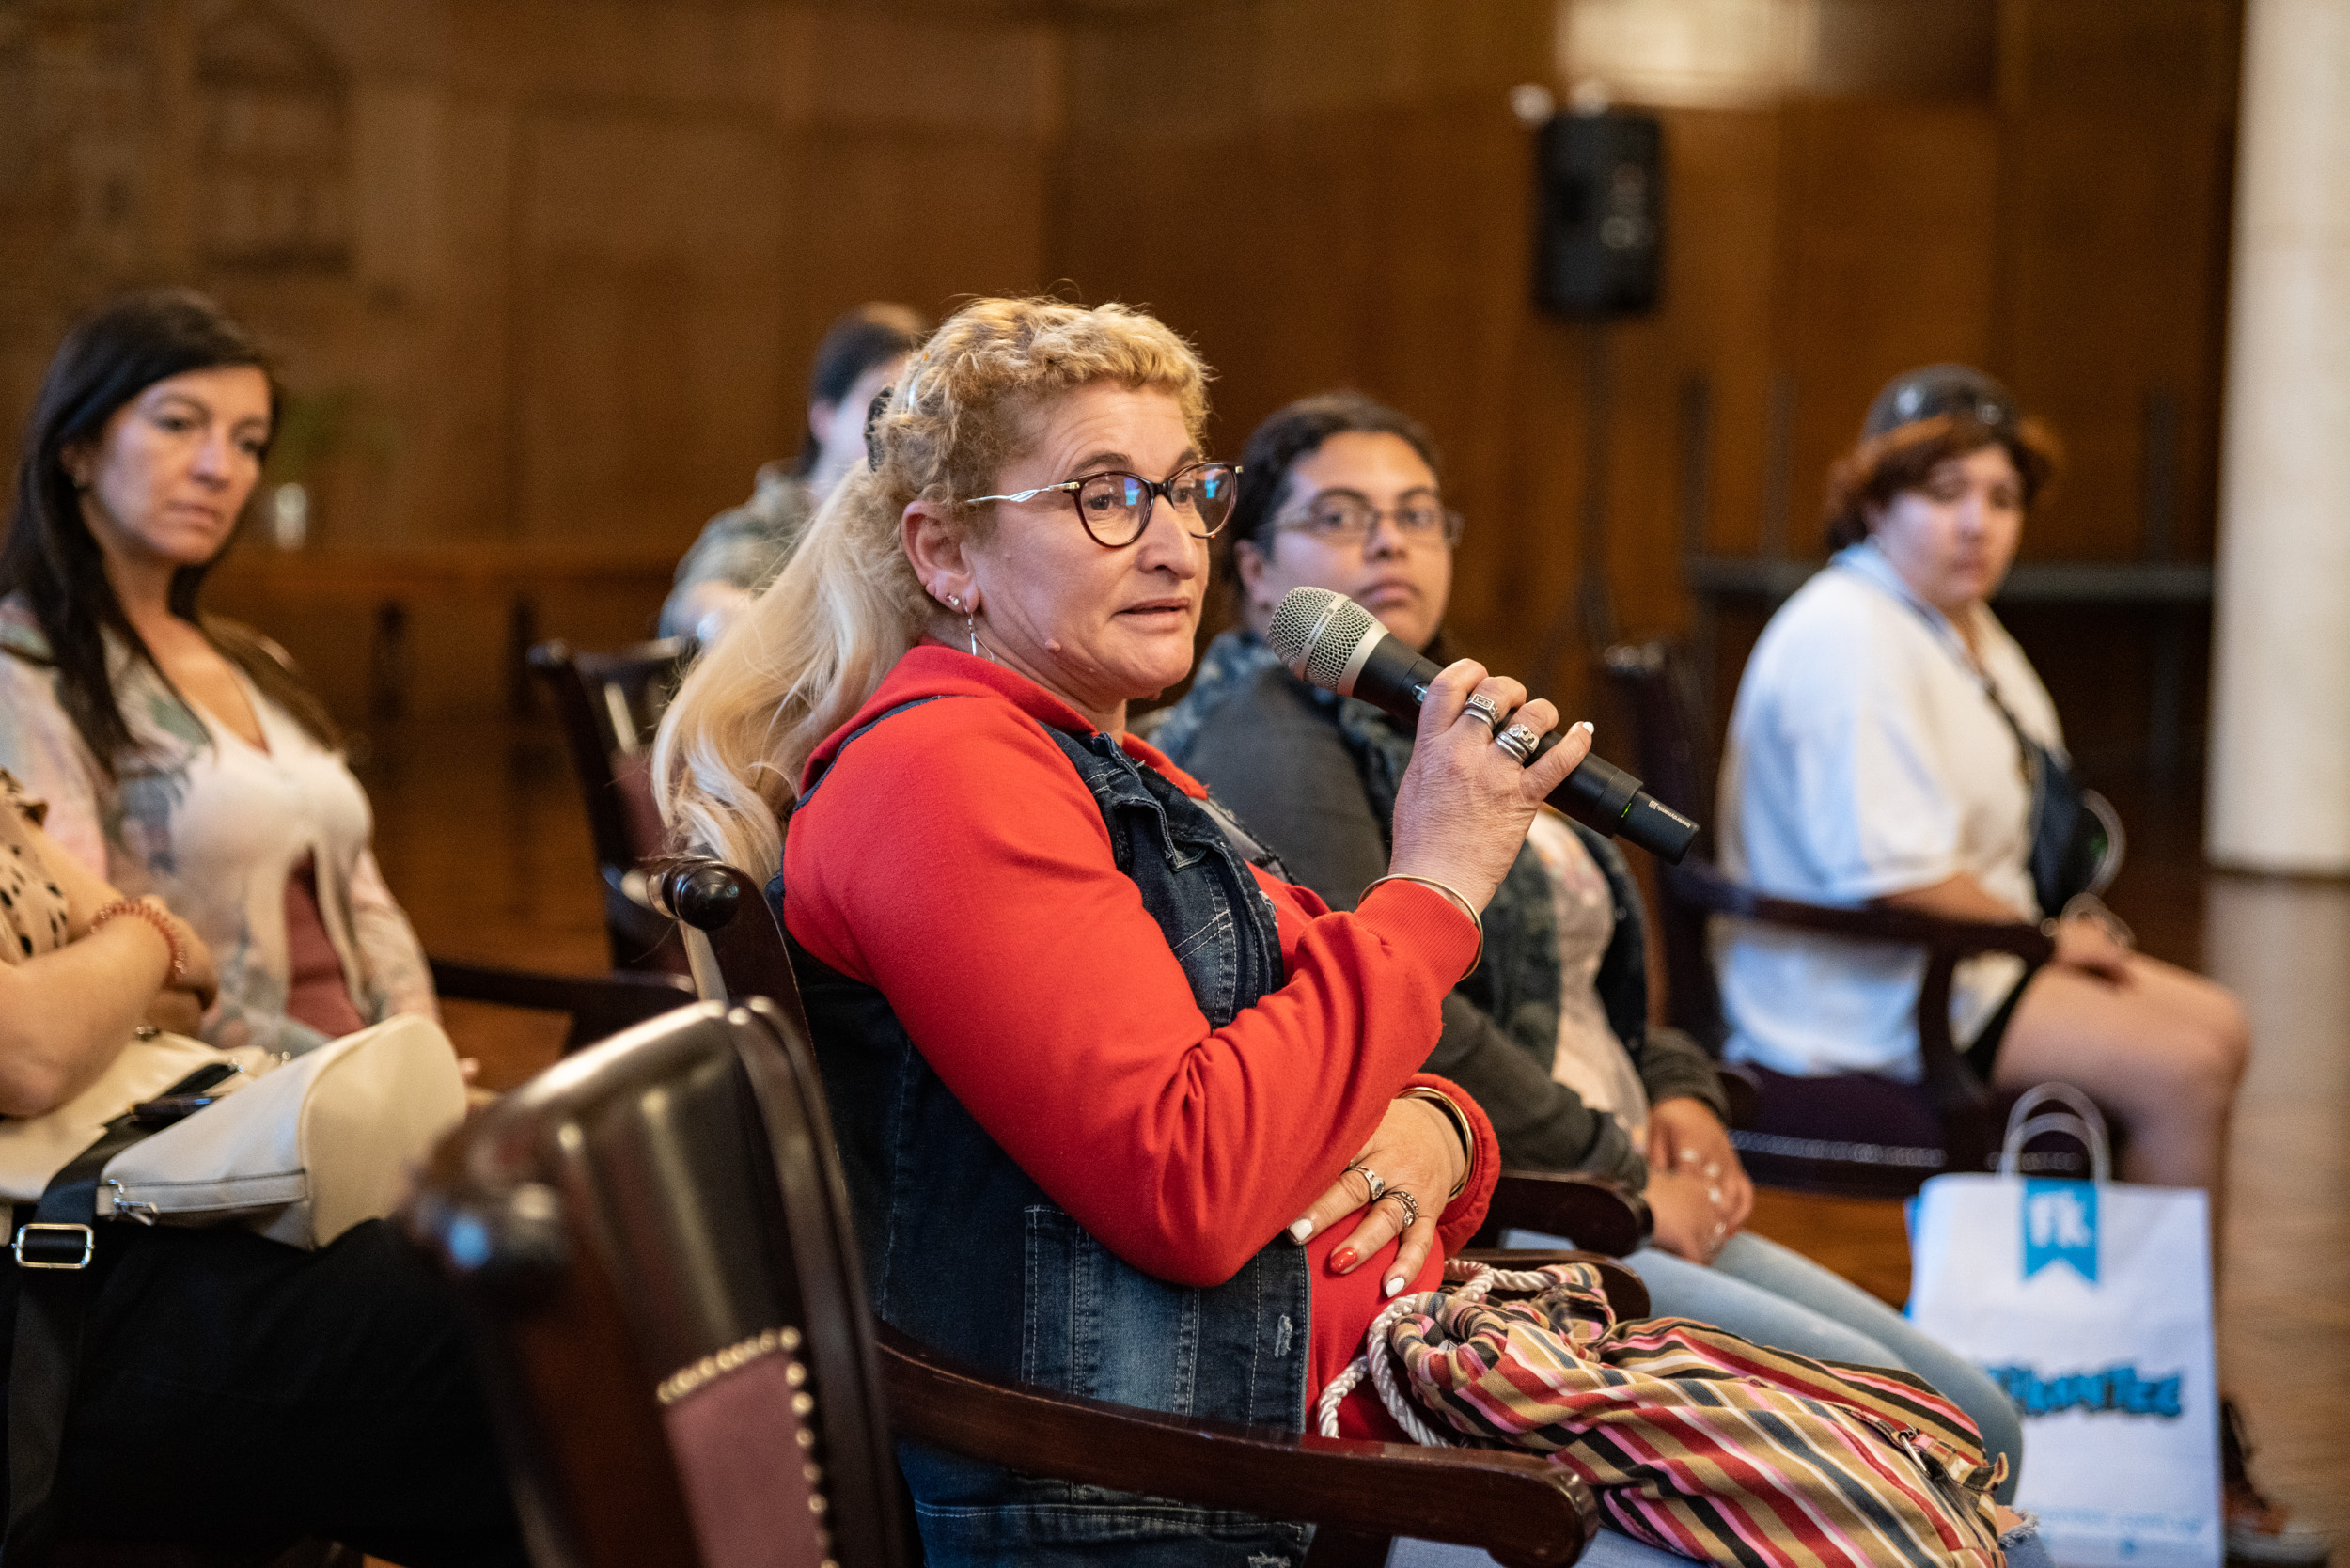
(1865, 758)
(1588, 1057)
(216, 826)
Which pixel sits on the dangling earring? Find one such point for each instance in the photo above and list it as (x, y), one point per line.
(969, 626)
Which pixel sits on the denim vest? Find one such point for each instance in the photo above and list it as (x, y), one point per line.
(968, 1255)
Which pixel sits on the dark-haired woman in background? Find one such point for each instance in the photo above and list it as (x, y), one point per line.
(741, 550)
(1550, 1031)
(1876, 755)
(179, 753)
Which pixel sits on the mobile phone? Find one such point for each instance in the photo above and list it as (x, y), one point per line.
(188, 1096)
(169, 1108)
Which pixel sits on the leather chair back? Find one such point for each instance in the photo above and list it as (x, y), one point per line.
(1673, 756)
(608, 705)
(636, 1226)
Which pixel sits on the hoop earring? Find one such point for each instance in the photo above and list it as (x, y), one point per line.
(970, 627)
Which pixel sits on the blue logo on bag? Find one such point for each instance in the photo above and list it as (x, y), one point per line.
(2060, 1226)
(2117, 1391)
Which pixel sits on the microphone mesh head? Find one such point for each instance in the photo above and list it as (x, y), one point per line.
(1316, 631)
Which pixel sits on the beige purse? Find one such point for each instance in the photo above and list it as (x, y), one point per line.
(298, 1149)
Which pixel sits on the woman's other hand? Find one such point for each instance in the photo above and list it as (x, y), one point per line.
(1689, 1224)
(1416, 1150)
(2087, 943)
(1463, 806)
(1687, 1138)
(179, 1006)
(202, 978)
(175, 1011)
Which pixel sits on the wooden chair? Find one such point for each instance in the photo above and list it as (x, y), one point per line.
(598, 1006)
(608, 705)
(737, 951)
(1854, 1135)
(664, 1215)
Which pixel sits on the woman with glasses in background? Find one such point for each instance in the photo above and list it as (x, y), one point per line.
(1095, 1076)
(1550, 1032)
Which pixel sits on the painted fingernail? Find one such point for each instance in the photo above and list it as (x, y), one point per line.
(1395, 1285)
(1342, 1260)
(1587, 726)
(1303, 1229)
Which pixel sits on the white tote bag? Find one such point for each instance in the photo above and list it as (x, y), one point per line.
(2090, 1303)
(300, 1150)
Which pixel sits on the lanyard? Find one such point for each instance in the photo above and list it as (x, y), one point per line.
(2030, 754)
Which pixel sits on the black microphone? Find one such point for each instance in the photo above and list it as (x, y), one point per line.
(1330, 640)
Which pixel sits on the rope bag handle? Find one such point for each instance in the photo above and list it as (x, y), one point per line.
(1380, 1363)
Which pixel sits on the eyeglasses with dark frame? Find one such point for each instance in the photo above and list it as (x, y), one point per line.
(1345, 517)
(1114, 507)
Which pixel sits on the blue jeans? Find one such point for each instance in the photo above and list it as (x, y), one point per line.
(1759, 1290)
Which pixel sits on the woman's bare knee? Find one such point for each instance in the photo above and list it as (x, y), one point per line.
(2197, 1067)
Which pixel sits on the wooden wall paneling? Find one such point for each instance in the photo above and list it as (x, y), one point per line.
(2117, 163)
(919, 159)
(1722, 174)
(2114, 304)
(1887, 258)
(647, 320)
(468, 422)
(923, 216)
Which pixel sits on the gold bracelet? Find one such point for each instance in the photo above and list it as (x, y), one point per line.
(153, 917)
(1467, 908)
(1459, 1117)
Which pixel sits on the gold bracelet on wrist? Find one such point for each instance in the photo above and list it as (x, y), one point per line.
(153, 917)
(1467, 908)
(1461, 1127)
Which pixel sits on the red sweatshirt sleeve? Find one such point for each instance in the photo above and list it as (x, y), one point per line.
(954, 860)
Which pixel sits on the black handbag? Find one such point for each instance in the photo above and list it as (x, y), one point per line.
(2077, 838)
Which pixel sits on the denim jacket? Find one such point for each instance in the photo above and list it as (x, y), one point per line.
(1284, 753)
(967, 1254)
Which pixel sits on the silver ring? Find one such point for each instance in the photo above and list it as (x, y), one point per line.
(1372, 1180)
(1519, 742)
(1485, 708)
(1411, 1206)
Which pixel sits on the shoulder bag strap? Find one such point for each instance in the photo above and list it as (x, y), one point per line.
(52, 1253)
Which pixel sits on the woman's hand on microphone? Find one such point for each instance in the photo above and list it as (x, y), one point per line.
(1463, 806)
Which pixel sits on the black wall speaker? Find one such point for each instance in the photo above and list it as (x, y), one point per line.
(1600, 213)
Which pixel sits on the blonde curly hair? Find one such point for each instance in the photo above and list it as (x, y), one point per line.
(821, 639)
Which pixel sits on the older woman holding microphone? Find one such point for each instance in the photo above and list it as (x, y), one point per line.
(1124, 1114)
(1550, 1032)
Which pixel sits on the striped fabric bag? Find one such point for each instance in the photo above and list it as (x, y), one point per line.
(1692, 1439)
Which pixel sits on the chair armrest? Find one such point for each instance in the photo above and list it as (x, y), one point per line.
(598, 1005)
(1957, 1095)
(1525, 1511)
(1596, 1212)
(1701, 884)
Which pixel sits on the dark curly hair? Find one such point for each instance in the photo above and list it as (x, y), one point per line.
(1296, 431)
(1867, 478)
